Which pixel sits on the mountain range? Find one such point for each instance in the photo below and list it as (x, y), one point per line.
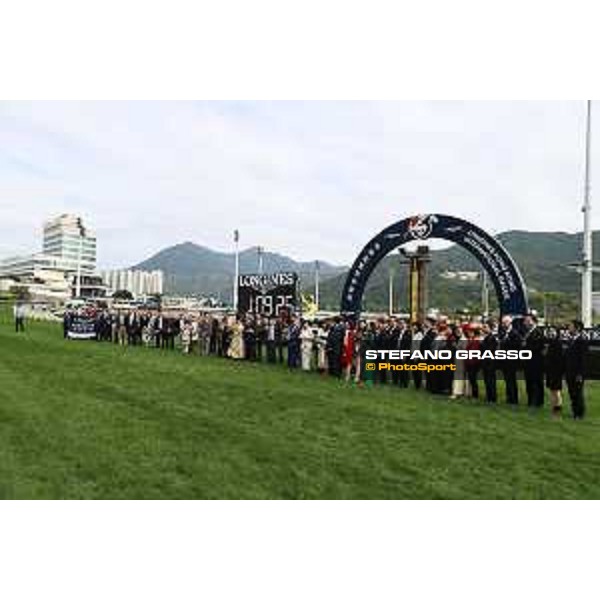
(193, 269)
(543, 258)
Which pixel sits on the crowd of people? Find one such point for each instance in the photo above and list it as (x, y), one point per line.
(336, 347)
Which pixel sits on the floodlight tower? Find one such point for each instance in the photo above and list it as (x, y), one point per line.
(317, 272)
(236, 277)
(587, 257)
(79, 256)
(391, 291)
(260, 253)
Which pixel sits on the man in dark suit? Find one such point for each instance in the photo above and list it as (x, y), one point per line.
(99, 326)
(165, 332)
(294, 344)
(158, 329)
(134, 329)
(144, 324)
(67, 319)
(215, 338)
(382, 342)
(393, 339)
(249, 336)
(279, 338)
(489, 342)
(261, 337)
(334, 347)
(426, 344)
(403, 342)
(534, 341)
(509, 339)
(575, 356)
(174, 331)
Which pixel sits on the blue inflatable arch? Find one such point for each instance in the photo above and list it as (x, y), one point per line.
(501, 268)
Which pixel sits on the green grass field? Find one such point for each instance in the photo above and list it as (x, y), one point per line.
(89, 420)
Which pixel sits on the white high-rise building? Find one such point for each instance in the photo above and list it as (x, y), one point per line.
(68, 248)
(66, 237)
(139, 283)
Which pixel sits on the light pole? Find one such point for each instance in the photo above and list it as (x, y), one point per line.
(236, 241)
(79, 256)
(586, 271)
(485, 294)
(260, 250)
(317, 269)
(391, 291)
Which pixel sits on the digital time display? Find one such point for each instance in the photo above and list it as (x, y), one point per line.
(268, 295)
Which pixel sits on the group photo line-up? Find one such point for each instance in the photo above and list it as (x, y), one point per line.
(336, 347)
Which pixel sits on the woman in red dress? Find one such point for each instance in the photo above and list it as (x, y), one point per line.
(348, 351)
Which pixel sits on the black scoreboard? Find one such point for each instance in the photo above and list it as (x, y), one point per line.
(268, 295)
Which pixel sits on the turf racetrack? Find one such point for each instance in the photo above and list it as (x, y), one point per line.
(89, 420)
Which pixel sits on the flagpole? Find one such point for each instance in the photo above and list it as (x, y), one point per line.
(260, 250)
(236, 240)
(586, 272)
(485, 294)
(391, 292)
(317, 267)
(79, 257)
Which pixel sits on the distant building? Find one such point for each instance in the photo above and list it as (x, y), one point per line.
(139, 283)
(48, 275)
(67, 238)
(596, 302)
(92, 286)
(44, 284)
(461, 275)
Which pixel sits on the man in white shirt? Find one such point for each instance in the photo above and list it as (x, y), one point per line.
(19, 313)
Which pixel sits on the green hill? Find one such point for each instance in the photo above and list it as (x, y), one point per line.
(194, 269)
(90, 420)
(543, 258)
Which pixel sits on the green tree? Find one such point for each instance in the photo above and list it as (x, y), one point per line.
(123, 295)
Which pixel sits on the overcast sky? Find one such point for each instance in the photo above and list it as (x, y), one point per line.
(306, 179)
